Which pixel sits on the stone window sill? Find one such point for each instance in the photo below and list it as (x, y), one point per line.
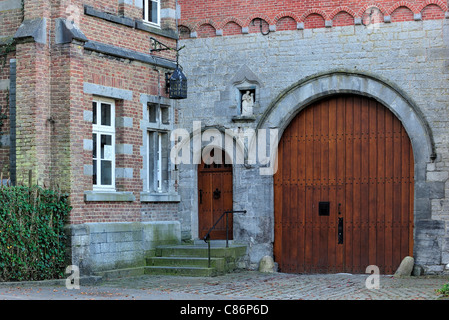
(243, 119)
(159, 197)
(90, 196)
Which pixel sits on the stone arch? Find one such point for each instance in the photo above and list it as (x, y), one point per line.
(297, 97)
(427, 252)
(290, 102)
(188, 172)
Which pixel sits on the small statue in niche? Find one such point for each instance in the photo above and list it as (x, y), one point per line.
(247, 103)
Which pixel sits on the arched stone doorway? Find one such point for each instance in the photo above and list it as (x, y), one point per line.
(427, 243)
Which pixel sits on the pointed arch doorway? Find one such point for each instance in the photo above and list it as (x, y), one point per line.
(343, 192)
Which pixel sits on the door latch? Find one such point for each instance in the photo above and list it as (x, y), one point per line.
(340, 230)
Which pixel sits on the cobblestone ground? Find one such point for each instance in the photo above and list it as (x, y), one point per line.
(243, 285)
(283, 286)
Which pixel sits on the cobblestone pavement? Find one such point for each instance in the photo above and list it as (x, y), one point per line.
(247, 285)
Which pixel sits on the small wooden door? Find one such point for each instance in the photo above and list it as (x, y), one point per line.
(344, 189)
(214, 198)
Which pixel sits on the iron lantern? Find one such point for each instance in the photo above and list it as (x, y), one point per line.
(176, 84)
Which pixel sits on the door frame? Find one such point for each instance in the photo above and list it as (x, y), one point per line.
(225, 160)
(301, 94)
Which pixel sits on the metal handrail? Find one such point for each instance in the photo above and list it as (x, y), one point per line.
(206, 238)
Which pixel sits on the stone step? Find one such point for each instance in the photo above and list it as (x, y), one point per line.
(182, 271)
(214, 243)
(186, 261)
(193, 259)
(233, 251)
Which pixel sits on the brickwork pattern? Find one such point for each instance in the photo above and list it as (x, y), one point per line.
(52, 127)
(200, 20)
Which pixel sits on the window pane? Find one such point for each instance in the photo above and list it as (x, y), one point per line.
(94, 151)
(154, 12)
(105, 114)
(94, 176)
(159, 162)
(165, 115)
(152, 112)
(94, 112)
(106, 147)
(106, 172)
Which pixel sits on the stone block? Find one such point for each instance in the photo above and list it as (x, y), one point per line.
(35, 29)
(266, 264)
(418, 270)
(405, 268)
(437, 176)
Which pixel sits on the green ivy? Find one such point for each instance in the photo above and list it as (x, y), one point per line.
(32, 238)
(3, 117)
(5, 48)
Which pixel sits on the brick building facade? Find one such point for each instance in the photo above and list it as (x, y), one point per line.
(89, 113)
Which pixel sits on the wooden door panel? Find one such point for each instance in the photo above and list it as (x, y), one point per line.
(215, 196)
(354, 153)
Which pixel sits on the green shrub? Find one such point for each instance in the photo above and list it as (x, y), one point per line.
(32, 238)
(444, 291)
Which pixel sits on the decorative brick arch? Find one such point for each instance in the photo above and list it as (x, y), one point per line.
(203, 22)
(285, 14)
(227, 20)
(264, 17)
(314, 11)
(402, 4)
(382, 9)
(342, 9)
(443, 6)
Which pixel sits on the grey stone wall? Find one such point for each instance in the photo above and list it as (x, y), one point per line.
(97, 247)
(411, 57)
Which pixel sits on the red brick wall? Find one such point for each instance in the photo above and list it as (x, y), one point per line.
(220, 13)
(51, 102)
(10, 20)
(4, 110)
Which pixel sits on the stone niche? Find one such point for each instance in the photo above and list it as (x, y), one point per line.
(245, 95)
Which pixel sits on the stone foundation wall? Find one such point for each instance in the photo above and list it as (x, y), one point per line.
(97, 247)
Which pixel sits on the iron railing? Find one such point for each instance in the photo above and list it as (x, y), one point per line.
(206, 238)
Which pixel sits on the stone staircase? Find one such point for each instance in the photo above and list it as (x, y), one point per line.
(192, 259)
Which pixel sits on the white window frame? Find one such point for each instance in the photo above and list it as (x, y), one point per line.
(158, 130)
(155, 182)
(146, 18)
(100, 130)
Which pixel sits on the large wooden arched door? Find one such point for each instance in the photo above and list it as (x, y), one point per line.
(215, 197)
(344, 189)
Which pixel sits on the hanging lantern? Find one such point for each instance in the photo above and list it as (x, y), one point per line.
(177, 84)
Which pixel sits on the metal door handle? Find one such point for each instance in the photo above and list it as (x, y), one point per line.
(340, 230)
(217, 194)
(201, 196)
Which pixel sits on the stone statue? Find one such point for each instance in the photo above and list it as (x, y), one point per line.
(247, 104)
